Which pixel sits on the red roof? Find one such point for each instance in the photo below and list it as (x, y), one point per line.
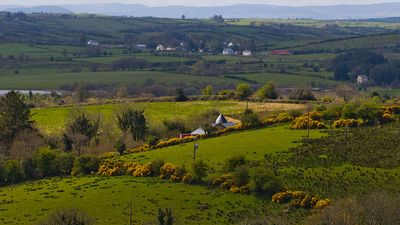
(281, 52)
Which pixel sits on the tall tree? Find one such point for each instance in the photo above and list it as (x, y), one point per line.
(243, 91)
(81, 128)
(268, 91)
(134, 122)
(14, 117)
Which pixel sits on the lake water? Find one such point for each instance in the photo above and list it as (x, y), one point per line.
(42, 92)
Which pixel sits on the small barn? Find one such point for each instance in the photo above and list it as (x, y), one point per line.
(92, 43)
(247, 53)
(228, 51)
(362, 79)
(160, 47)
(223, 122)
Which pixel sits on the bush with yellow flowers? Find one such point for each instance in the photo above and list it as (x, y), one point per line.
(142, 170)
(187, 178)
(347, 123)
(240, 190)
(307, 122)
(109, 155)
(388, 117)
(300, 199)
(283, 117)
(322, 203)
(167, 170)
(111, 168)
(142, 148)
(225, 181)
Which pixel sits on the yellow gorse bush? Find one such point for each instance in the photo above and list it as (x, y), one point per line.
(300, 199)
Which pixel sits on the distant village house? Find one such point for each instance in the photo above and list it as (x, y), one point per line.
(92, 43)
(362, 79)
(228, 51)
(247, 53)
(160, 47)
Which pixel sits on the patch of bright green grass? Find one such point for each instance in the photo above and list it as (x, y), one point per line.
(108, 199)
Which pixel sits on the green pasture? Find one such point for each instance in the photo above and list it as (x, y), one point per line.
(373, 42)
(290, 80)
(108, 199)
(52, 79)
(341, 181)
(36, 51)
(214, 151)
(50, 120)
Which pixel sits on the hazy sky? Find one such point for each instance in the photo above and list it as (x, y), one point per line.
(196, 2)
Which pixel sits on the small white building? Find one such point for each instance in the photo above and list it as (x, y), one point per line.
(141, 46)
(223, 122)
(199, 131)
(171, 49)
(228, 51)
(362, 79)
(93, 43)
(247, 53)
(160, 47)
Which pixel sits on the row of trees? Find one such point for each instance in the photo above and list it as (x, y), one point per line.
(381, 71)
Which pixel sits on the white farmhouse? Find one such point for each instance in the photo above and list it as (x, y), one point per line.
(93, 43)
(228, 51)
(362, 79)
(247, 53)
(160, 48)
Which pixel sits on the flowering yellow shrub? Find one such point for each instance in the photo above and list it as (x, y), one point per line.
(109, 155)
(237, 127)
(347, 123)
(388, 117)
(110, 168)
(300, 199)
(167, 170)
(187, 179)
(143, 148)
(240, 190)
(322, 203)
(305, 122)
(142, 170)
(283, 117)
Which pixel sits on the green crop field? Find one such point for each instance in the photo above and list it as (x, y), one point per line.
(50, 79)
(35, 51)
(51, 120)
(290, 80)
(252, 144)
(371, 42)
(108, 199)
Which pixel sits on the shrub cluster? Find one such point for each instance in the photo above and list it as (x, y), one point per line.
(47, 162)
(153, 169)
(283, 117)
(300, 199)
(347, 123)
(226, 182)
(311, 120)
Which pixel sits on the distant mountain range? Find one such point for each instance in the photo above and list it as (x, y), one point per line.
(234, 11)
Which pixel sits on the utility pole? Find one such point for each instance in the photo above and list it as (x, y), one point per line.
(131, 214)
(308, 122)
(195, 148)
(345, 142)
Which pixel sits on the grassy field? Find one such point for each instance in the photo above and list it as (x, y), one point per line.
(371, 42)
(291, 80)
(252, 144)
(35, 51)
(51, 120)
(50, 79)
(108, 199)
